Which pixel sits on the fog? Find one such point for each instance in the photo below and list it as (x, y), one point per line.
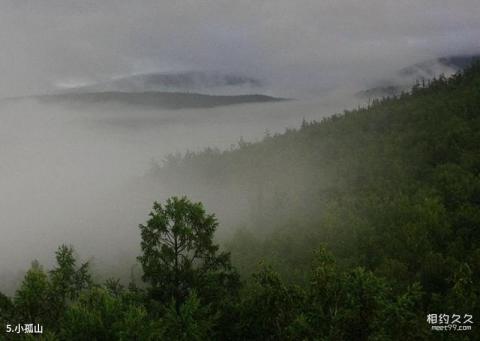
(70, 174)
(299, 47)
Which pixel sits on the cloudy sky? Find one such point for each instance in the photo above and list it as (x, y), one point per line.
(302, 44)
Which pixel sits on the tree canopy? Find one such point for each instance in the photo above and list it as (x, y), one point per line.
(178, 253)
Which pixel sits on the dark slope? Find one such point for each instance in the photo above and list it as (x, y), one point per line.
(161, 100)
(394, 187)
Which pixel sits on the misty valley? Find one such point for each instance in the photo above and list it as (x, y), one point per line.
(268, 170)
(377, 199)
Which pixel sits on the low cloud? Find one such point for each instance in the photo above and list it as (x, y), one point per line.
(300, 47)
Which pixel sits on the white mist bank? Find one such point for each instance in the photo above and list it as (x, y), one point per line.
(67, 175)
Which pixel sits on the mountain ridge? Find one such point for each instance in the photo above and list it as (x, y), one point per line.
(406, 77)
(212, 82)
(152, 99)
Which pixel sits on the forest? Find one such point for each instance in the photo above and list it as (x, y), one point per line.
(356, 227)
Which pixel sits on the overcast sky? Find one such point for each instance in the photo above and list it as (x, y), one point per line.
(289, 43)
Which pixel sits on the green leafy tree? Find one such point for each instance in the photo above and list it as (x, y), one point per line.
(268, 307)
(6, 309)
(92, 316)
(324, 297)
(178, 254)
(32, 296)
(192, 322)
(43, 296)
(102, 314)
(363, 303)
(67, 280)
(135, 324)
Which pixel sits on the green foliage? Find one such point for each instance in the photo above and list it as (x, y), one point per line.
(32, 296)
(92, 316)
(388, 196)
(135, 324)
(67, 281)
(268, 307)
(98, 314)
(6, 309)
(193, 321)
(178, 254)
(393, 188)
(43, 296)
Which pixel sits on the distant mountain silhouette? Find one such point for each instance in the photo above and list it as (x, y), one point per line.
(435, 67)
(189, 81)
(405, 78)
(152, 99)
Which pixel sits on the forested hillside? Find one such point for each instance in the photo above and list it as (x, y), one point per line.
(393, 188)
(356, 227)
(387, 187)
